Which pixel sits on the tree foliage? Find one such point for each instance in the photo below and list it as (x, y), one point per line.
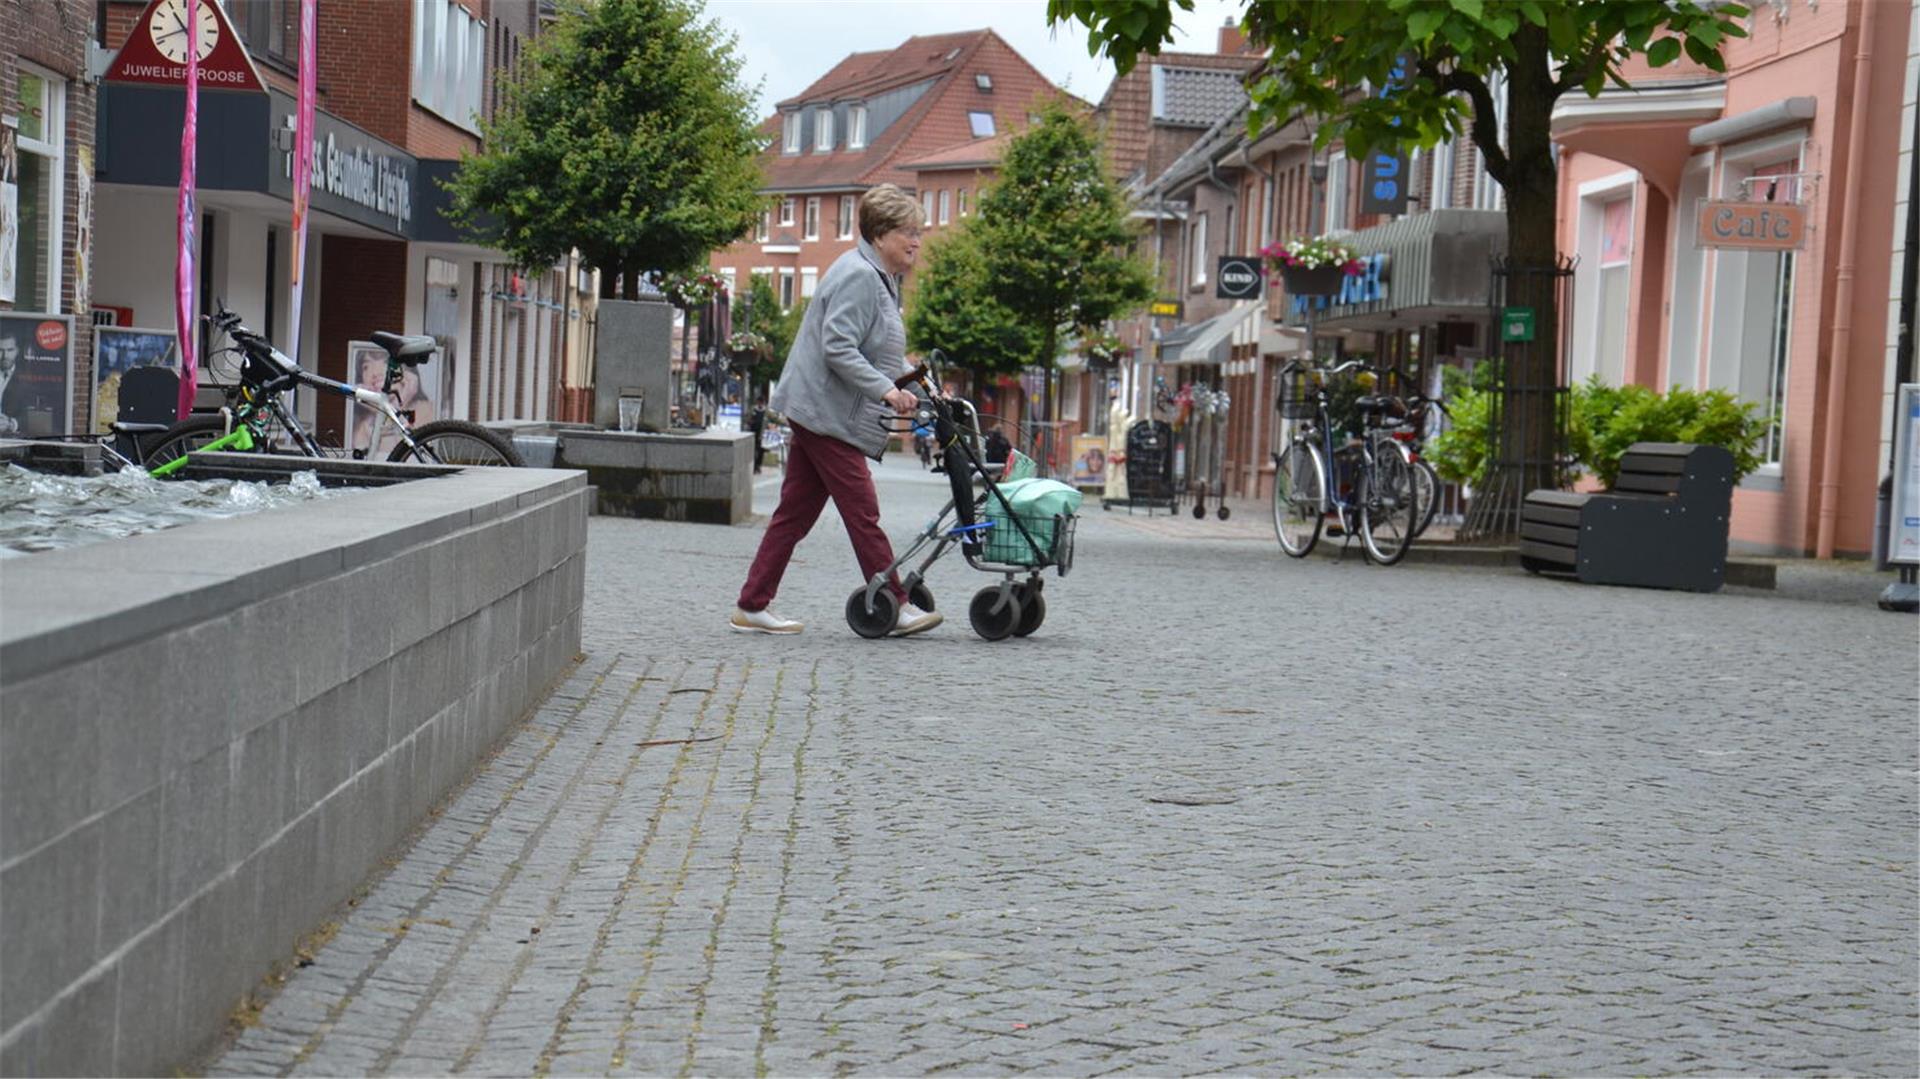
(758, 310)
(952, 309)
(628, 137)
(1053, 235)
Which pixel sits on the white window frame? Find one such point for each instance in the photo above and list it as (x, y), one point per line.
(809, 281)
(811, 231)
(785, 288)
(54, 149)
(1267, 214)
(945, 205)
(1334, 213)
(857, 127)
(1733, 164)
(790, 132)
(727, 275)
(926, 206)
(844, 226)
(449, 62)
(960, 203)
(764, 230)
(973, 124)
(1687, 268)
(1591, 202)
(822, 131)
(786, 210)
(1197, 248)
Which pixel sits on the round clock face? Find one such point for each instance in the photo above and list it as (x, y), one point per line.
(169, 29)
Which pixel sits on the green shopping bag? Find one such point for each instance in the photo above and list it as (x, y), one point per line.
(1037, 503)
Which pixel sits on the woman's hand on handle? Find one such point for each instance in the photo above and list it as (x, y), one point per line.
(902, 400)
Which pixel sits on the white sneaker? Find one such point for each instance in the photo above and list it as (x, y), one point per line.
(913, 620)
(763, 621)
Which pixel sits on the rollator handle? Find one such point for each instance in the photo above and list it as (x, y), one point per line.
(910, 377)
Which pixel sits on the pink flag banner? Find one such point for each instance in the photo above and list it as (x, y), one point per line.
(183, 282)
(302, 172)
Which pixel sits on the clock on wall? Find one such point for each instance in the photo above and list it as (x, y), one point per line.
(168, 29)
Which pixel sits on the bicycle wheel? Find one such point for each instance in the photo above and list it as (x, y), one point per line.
(1426, 490)
(457, 442)
(181, 439)
(1387, 508)
(1299, 493)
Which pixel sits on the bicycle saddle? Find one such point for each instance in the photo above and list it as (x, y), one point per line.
(411, 348)
(1382, 403)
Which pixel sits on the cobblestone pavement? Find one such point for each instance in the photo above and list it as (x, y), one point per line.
(1224, 812)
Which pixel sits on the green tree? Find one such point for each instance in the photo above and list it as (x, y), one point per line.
(1323, 52)
(1054, 239)
(952, 309)
(629, 137)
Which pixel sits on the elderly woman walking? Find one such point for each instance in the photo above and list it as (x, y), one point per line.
(835, 390)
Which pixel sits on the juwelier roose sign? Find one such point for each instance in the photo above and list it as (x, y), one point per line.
(1752, 226)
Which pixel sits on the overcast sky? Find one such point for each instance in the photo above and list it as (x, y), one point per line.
(787, 44)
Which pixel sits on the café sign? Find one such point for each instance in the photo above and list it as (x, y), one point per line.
(1751, 226)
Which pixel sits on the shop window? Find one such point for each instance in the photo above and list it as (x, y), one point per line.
(32, 280)
(1689, 273)
(1752, 321)
(1616, 267)
(449, 60)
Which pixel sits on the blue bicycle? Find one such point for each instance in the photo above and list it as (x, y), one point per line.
(1373, 493)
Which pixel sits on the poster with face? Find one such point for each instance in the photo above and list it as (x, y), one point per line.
(36, 367)
(367, 364)
(116, 351)
(9, 209)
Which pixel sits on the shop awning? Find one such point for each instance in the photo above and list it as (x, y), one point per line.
(1209, 341)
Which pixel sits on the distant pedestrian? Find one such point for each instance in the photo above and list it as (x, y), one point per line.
(836, 392)
(757, 423)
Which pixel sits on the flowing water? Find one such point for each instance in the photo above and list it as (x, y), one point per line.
(42, 512)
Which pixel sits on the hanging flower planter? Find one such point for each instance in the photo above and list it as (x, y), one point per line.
(1312, 280)
(1311, 266)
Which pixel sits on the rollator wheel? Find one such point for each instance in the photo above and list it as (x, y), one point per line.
(988, 623)
(875, 623)
(1033, 610)
(1224, 512)
(1199, 511)
(920, 596)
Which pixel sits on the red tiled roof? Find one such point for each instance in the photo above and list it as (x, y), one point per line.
(973, 152)
(936, 122)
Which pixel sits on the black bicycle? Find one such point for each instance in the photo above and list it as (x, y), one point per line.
(1370, 491)
(257, 418)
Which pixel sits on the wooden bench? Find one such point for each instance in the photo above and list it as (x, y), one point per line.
(1663, 524)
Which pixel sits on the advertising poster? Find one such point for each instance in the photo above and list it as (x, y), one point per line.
(9, 208)
(367, 362)
(116, 351)
(1089, 461)
(1903, 542)
(36, 367)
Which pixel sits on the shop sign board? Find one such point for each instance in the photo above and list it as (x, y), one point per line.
(355, 175)
(156, 50)
(1516, 324)
(1383, 189)
(1751, 226)
(1903, 518)
(1168, 309)
(1367, 286)
(1238, 277)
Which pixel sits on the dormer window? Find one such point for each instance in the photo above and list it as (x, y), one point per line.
(981, 123)
(822, 130)
(984, 81)
(856, 127)
(790, 133)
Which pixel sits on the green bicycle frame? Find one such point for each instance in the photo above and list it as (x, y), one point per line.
(240, 438)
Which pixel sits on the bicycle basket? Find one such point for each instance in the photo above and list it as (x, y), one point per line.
(1299, 394)
(1051, 545)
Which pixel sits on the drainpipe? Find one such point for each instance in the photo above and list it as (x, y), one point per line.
(1842, 339)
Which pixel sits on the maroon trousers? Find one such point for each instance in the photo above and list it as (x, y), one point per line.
(819, 468)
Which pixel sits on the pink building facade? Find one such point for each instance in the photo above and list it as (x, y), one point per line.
(1815, 109)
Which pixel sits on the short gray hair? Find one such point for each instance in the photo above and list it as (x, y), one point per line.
(885, 208)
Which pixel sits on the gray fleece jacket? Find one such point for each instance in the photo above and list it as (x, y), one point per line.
(850, 348)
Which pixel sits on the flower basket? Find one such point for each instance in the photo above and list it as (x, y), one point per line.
(1312, 280)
